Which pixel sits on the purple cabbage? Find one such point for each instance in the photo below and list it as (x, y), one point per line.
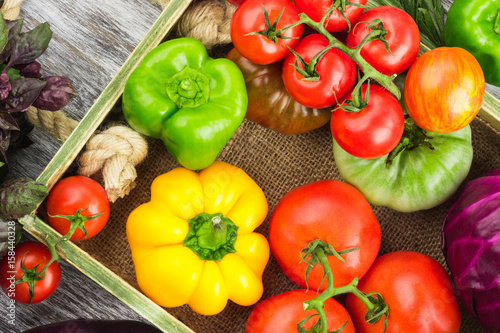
(471, 246)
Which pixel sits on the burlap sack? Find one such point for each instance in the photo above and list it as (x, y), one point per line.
(279, 163)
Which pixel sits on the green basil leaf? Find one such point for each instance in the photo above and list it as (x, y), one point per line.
(20, 196)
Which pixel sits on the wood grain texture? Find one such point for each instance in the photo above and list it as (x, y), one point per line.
(92, 39)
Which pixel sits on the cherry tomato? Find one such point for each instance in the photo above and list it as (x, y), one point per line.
(375, 130)
(249, 17)
(337, 74)
(282, 313)
(334, 212)
(444, 89)
(73, 193)
(31, 254)
(316, 9)
(403, 38)
(418, 291)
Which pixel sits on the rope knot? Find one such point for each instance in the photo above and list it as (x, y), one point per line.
(116, 151)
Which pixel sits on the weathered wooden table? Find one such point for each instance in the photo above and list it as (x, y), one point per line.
(91, 41)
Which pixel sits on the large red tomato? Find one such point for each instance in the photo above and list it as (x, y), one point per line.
(417, 290)
(336, 74)
(250, 17)
(71, 194)
(281, 314)
(31, 254)
(444, 89)
(375, 130)
(316, 9)
(334, 212)
(403, 38)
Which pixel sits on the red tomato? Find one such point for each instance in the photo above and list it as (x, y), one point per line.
(73, 193)
(334, 212)
(32, 254)
(403, 38)
(316, 9)
(282, 313)
(337, 74)
(444, 89)
(374, 131)
(418, 291)
(249, 17)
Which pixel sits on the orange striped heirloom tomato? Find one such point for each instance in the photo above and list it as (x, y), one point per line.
(444, 89)
(194, 244)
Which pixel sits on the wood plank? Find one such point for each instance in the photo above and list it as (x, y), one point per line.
(106, 278)
(99, 110)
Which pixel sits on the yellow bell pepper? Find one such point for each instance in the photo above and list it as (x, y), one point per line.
(194, 244)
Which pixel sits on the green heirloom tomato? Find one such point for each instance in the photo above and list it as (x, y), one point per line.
(475, 26)
(418, 177)
(192, 102)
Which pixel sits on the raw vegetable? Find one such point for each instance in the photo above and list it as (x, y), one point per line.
(270, 104)
(285, 313)
(444, 89)
(471, 231)
(33, 281)
(331, 212)
(194, 240)
(475, 27)
(402, 39)
(417, 290)
(257, 30)
(429, 16)
(96, 326)
(423, 171)
(375, 130)
(316, 76)
(192, 102)
(343, 18)
(79, 203)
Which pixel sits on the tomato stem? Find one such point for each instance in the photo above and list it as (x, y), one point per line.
(355, 54)
(374, 302)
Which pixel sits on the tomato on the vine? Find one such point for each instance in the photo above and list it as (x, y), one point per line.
(418, 291)
(375, 130)
(31, 254)
(329, 80)
(316, 9)
(257, 36)
(282, 313)
(78, 198)
(338, 214)
(403, 39)
(444, 89)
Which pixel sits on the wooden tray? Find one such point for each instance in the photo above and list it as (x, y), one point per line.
(65, 156)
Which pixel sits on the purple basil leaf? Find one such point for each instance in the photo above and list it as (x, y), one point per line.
(4, 33)
(7, 122)
(33, 69)
(30, 45)
(19, 197)
(4, 142)
(15, 28)
(4, 86)
(23, 93)
(56, 94)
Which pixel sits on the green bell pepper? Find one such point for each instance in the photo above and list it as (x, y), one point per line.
(192, 102)
(475, 27)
